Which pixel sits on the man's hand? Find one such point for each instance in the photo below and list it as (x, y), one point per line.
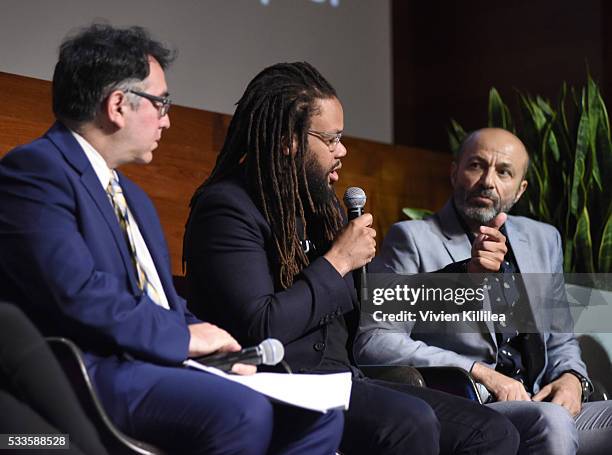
(501, 386)
(566, 390)
(354, 247)
(208, 338)
(489, 247)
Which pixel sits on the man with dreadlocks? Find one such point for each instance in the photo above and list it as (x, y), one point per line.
(268, 255)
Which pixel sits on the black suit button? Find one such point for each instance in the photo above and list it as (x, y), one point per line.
(319, 346)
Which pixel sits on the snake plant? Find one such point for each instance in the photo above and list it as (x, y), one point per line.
(570, 175)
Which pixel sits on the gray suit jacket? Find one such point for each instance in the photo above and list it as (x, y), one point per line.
(432, 244)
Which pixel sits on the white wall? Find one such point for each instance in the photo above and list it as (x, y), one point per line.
(223, 43)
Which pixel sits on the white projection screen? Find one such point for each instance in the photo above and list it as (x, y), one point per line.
(222, 44)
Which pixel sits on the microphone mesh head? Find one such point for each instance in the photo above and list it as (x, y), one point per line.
(272, 351)
(354, 198)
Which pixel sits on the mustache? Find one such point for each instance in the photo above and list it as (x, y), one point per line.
(337, 165)
(482, 192)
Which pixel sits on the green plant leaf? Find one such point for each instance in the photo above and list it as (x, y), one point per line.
(595, 117)
(583, 244)
(570, 171)
(499, 114)
(416, 214)
(605, 248)
(568, 254)
(582, 146)
(456, 135)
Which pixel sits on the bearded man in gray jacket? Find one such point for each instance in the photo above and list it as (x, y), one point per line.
(537, 379)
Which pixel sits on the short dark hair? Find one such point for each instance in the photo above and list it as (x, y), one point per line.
(97, 60)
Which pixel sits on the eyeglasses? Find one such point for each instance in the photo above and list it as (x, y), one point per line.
(162, 103)
(330, 139)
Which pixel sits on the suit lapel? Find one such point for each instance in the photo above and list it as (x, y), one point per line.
(520, 247)
(524, 254)
(456, 241)
(145, 227)
(75, 155)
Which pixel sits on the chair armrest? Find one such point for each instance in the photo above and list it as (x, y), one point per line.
(453, 380)
(395, 373)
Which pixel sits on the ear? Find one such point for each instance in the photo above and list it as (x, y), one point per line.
(453, 173)
(522, 188)
(115, 108)
(290, 150)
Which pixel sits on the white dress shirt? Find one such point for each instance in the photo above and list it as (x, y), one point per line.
(144, 257)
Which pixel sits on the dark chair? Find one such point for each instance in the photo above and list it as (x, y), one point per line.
(451, 380)
(598, 366)
(401, 374)
(70, 358)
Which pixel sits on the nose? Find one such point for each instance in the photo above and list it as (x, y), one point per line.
(340, 150)
(487, 178)
(164, 122)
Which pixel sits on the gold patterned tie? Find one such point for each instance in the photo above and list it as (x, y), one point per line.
(121, 211)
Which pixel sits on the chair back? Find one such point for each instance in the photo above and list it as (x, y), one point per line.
(70, 358)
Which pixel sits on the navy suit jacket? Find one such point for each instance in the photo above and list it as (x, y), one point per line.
(232, 268)
(64, 259)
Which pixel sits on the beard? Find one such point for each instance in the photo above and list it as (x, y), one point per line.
(477, 213)
(317, 178)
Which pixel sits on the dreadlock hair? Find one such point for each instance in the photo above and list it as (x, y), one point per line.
(268, 136)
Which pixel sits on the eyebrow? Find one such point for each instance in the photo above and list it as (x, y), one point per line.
(504, 164)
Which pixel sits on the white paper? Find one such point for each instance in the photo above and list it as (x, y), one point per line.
(317, 392)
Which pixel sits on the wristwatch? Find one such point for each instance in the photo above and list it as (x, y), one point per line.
(585, 384)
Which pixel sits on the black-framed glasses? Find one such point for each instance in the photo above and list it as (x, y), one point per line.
(330, 139)
(162, 103)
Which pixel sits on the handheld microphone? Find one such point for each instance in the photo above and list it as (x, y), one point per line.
(268, 352)
(355, 200)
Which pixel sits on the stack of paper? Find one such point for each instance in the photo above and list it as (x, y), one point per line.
(317, 392)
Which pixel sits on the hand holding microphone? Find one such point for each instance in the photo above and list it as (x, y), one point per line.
(268, 352)
(355, 245)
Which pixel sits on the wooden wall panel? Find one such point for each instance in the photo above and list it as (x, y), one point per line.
(392, 176)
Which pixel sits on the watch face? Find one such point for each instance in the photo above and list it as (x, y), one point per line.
(586, 389)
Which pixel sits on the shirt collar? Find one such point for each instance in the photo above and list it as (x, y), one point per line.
(95, 159)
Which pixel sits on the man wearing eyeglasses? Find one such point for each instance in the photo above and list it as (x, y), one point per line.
(83, 254)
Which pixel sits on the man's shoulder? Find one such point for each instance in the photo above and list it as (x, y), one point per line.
(230, 192)
(417, 228)
(42, 154)
(531, 227)
(41, 149)
(40, 157)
